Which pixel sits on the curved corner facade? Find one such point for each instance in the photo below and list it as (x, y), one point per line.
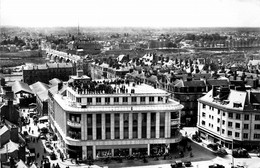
(131, 119)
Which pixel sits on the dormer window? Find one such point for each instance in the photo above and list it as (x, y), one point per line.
(256, 106)
(237, 104)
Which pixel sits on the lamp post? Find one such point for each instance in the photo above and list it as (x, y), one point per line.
(232, 153)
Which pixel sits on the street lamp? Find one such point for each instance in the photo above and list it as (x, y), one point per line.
(232, 153)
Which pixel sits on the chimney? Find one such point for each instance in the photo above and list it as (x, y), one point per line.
(235, 75)
(60, 85)
(2, 81)
(79, 73)
(214, 91)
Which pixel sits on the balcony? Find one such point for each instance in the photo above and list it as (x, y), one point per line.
(73, 124)
(174, 122)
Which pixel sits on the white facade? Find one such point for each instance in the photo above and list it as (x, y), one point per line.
(99, 124)
(229, 120)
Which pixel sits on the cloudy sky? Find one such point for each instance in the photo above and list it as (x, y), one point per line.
(133, 13)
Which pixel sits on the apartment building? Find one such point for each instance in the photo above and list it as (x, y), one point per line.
(226, 116)
(113, 118)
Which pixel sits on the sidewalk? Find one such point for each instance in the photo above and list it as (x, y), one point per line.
(191, 130)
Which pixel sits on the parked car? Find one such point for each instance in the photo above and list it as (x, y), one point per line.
(240, 153)
(213, 146)
(177, 164)
(196, 138)
(222, 152)
(53, 156)
(216, 166)
(187, 164)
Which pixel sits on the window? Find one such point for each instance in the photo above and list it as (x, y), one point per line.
(218, 129)
(125, 99)
(245, 126)
(238, 125)
(218, 111)
(224, 114)
(143, 99)
(107, 100)
(78, 99)
(203, 122)
(245, 135)
(223, 122)
(229, 133)
(133, 99)
(209, 116)
(237, 105)
(218, 120)
(89, 100)
(151, 99)
(203, 106)
(230, 124)
(230, 115)
(237, 134)
(212, 117)
(256, 136)
(238, 116)
(203, 114)
(116, 99)
(98, 100)
(160, 99)
(246, 117)
(257, 117)
(257, 126)
(223, 131)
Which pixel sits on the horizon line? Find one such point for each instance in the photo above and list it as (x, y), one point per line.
(150, 27)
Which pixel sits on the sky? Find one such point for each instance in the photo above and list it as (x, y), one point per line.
(130, 13)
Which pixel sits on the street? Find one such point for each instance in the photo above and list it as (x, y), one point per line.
(202, 157)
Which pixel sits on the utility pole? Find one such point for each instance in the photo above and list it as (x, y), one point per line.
(232, 153)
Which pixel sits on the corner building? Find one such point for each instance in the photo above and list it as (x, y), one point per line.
(120, 118)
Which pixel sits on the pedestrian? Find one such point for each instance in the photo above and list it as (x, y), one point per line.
(57, 165)
(53, 166)
(29, 129)
(32, 131)
(38, 155)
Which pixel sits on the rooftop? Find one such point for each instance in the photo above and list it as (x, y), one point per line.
(114, 87)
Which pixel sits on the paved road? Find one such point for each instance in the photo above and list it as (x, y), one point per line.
(202, 156)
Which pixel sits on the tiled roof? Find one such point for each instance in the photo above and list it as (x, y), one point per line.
(39, 87)
(194, 83)
(234, 97)
(54, 81)
(20, 86)
(217, 82)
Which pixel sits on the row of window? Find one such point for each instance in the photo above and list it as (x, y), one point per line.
(237, 125)
(116, 99)
(74, 132)
(231, 116)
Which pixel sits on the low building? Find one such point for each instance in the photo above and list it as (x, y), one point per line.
(41, 91)
(48, 71)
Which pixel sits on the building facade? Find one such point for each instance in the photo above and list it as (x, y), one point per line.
(226, 116)
(187, 92)
(118, 118)
(48, 71)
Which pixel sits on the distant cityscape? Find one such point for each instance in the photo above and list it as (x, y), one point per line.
(123, 97)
